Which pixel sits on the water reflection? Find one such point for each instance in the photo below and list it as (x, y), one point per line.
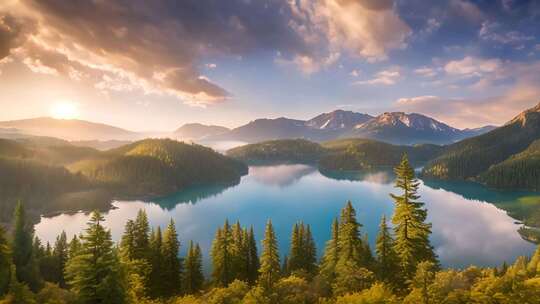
(191, 195)
(280, 175)
(379, 177)
(465, 230)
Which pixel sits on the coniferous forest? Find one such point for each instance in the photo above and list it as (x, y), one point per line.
(145, 265)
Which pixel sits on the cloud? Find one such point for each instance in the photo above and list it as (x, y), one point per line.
(491, 31)
(426, 72)
(355, 73)
(466, 9)
(474, 112)
(13, 32)
(471, 66)
(384, 77)
(210, 65)
(365, 28)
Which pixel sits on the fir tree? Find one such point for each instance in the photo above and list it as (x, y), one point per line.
(171, 273)
(296, 253)
(238, 253)
(331, 254)
(93, 273)
(60, 257)
(156, 263)
(222, 263)
(4, 263)
(23, 256)
(349, 241)
(74, 247)
(270, 270)
(387, 261)
(141, 231)
(411, 231)
(193, 276)
(253, 258)
(310, 251)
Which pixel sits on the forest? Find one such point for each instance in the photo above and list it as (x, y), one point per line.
(145, 265)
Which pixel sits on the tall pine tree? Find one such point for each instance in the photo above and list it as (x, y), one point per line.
(331, 254)
(93, 273)
(387, 261)
(171, 273)
(222, 261)
(253, 258)
(23, 257)
(410, 228)
(269, 272)
(193, 276)
(5, 263)
(60, 257)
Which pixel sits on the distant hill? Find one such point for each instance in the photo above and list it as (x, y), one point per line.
(196, 131)
(338, 120)
(366, 154)
(343, 154)
(101, 145)
(284, 150)
(395, 128)
(160, 166)
(406, 129)
(68, 129)
(473, 156)
(519, 171)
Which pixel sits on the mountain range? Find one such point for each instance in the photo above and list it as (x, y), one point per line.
(390, 127)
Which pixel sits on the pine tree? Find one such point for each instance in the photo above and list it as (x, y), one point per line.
(193, 276)
(253, 258)
(222, 263)
(23, 256)
(270, 270)
(310, 251)
(141, 243)
(171, 273)
(238, 249)
(93, 273)
(387, 261)
(349, 241)
(60, 257)
(74, 247)
(295, 254)
(285, 268)
(127, 243)
(156, 263)
(4, 263)
(411, 231)
(331, 254)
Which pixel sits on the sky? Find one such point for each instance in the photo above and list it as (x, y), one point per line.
(155, 65)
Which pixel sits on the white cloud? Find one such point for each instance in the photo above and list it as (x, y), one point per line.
(425, 71)
(384, 77)
(471, 66)
(211, 65)
(355, 73)
(491, 31)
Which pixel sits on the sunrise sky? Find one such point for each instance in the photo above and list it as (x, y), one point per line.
(154, 65)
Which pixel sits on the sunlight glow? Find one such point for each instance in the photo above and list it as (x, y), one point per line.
(65, 110)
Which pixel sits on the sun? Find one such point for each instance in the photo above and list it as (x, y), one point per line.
(65, 110)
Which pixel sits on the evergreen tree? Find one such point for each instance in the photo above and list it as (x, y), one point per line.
(171, 273)
(238, 253)
(193, 276)
(127, 243)
(253, 258)
(310, 251)
(285, 268)
(60, 257)
(411, 231)
(331, 254)
(222, 263)
(156, 263)
(387, 261)
(93, 273)
(141, 233)
(5, 263)
(23, 256)
(349, 241)
(74, 247)
(270, 270)
(296, 253)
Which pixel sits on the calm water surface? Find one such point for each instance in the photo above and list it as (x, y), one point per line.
(466, 228)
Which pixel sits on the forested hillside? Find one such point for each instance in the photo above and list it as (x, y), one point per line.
(520, 171)
(145, 266)
(471, 157)
(53, 175)
(286, 150)
(160, 166)
(365, 154)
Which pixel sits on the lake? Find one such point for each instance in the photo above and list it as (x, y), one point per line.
(467, 228)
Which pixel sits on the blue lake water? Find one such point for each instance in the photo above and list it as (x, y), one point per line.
(467, 229)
